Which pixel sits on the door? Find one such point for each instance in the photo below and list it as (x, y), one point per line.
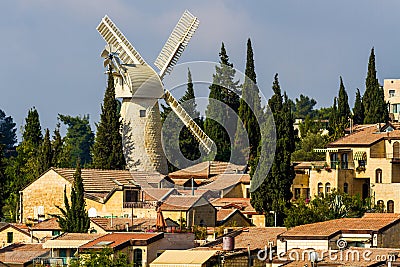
(137, 257)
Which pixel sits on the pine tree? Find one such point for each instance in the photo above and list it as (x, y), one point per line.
(219, 119)
(249, 112)
(74, 218)
(107, 148)
(375, 107)
(274, 193)
(78, 141)
(358, 110)
(45, 156)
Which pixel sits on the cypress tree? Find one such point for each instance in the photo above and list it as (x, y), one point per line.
(274, 193)
(74, 218)
(358, 110)
(249, 106)
(343, 104)
(225, 90)
(375, 107)
(187, 142)
(57, 146)
(107, 149)
(45, 156)
(8, 136)
(32, 130)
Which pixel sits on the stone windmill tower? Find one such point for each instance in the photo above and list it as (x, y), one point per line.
(140, 88)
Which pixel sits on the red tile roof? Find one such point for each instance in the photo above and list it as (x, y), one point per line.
(114, 240)
(222, 214)
(22, 253)
(207, 169)
(119, 224)
(370, 222)
(49, 224)
(183, 203)
(241, 203)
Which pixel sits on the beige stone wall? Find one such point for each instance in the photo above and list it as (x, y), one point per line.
(237, 220)
(42, 234)
(236, 192)
(306, 244)
(387, 192)
(113, 206)
(151, 252)
(390, 238)
(18, 237)
(176, 241)
(175, 215)
(258, 220)
(47, 191)
(323, 177)
(203, 213)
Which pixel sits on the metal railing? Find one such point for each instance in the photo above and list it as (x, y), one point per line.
(51, 261)
(140, 205)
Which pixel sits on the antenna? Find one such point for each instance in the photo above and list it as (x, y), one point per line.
(112, 35)
(176, 43)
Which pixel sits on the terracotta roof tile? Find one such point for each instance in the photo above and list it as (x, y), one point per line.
(49, 224)
(222, 214)
(113, 240)
(77, 236)
(241, 203)
(224, 181)
(119, 224)
(22, 253)
(182, 202)
(207, 169)
(370, 222)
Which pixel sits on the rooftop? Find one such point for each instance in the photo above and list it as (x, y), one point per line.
(22, 253)
(119, 224)
(49, 224)
(207, 169)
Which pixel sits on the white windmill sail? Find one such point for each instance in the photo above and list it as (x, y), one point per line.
(176, 43)
(196, 131)
(113, 36)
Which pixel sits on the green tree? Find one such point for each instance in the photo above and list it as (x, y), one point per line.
(274, 193)
(375, 107)
(187, 142)
(218, 115)
(107, 149)
(249, 110)
(358, 110)
(8, 137)
(340, 113)
(57, 146)
(103, 257)
(78, 141)
(74, 218)
(45, 156)
(304, 107)
(307, 146)
(32, 130)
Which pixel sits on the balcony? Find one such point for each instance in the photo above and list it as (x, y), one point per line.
(140, 205)
(54, 261)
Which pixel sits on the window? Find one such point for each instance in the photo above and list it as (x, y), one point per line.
(137, 257)
(131, 195)
(390, 206)
(297, 193)
(10, 237)
(380, 204)
(361, 163)
(378, 176)
(346, 188)
(142, 113)
(55, 232)
(345, 161)
(327, 188)
(320, 189)
(334, 160)
(396, 150)
(394, 108)
(392, 93)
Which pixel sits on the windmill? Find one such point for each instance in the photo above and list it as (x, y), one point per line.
(140, 87)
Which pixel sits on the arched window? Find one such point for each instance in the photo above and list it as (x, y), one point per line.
(327, 188)
(137, 257)
(378, 176)
(320, 189)
(346, 188)
(380, 204)
(396, 150)
(390, 206)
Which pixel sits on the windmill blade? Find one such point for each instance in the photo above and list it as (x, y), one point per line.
(176, 43)
(195, 130)
(113, 36)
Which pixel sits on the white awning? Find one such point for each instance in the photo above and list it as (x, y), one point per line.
(324, 150)
(185, 258)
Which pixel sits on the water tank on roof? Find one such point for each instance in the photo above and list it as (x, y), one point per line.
(228, 243)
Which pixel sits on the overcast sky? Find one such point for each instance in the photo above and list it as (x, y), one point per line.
(50, 49)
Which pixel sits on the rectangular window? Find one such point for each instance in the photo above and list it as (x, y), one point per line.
(392, 93)
(394, 108)
(55, 232)
(297, 193)
(334, 160)
(131, 195)
(142, 113)
(10, 237)
(361, 163)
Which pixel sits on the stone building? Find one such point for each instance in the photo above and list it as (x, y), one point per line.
(391, 88)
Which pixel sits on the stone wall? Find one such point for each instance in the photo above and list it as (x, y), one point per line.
(390, 238)
(18, 237)
(47, 191)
